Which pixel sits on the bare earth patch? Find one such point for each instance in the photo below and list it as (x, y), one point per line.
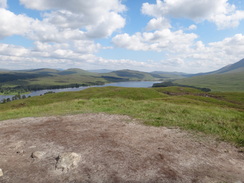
(111, 148)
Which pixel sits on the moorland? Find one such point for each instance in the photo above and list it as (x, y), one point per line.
(217, 111)
(52, 120)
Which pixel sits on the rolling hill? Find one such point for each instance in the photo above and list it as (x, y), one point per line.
(233, 68)
(228, 78)
(38, 79)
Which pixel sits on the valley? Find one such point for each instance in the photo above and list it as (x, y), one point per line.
(177, 132)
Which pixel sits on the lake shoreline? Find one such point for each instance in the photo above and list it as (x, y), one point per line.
(136, 84)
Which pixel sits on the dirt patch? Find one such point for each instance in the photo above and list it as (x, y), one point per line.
(112, 148)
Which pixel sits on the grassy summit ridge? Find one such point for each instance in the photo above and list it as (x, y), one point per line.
(218, 114)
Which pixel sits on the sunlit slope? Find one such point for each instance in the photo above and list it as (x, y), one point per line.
(220, 114)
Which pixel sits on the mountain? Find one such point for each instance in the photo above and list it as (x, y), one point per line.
(127, 75)
(232, 68)
(228, 78)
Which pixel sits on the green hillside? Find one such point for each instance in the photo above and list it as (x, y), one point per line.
(216, 82)
(218, 114)
(170, 75)
(228, 78)
(129, 75)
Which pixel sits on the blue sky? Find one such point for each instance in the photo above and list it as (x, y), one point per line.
(148, 35)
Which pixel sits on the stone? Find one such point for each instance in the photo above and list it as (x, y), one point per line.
(67, 161)
(1, 172)
(20, 152)
(38, 154)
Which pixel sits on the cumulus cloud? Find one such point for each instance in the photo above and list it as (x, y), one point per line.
(158, 24)
(8, 22)
(106, 26)
(65, 34)
(198, 57)
(76, 6)
(231, 46)
(60, 55)
(35, 29)
(220, 12)
(98, 18)
(182, 51)
(192, 27)
(212, 56)
(226, 21)
(12, 50)
(67, 19)
(162, 40)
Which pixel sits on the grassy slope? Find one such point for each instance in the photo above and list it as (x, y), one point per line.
(219, 114)
(217, 82)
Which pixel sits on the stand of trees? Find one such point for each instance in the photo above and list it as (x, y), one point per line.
(15, 97)
(169, 83)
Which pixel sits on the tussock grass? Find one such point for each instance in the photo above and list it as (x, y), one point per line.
(221, 117)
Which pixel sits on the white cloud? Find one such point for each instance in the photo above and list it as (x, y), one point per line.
(106, 26)
(182, 52)
(203, 58)
(65, 19)
(9, 21)
(76, 6)
(220, 12)
(192, 27)
(232, 46)
(49, 33)
(35, 29)
(162, 40)
(158, 24)
(227, 21)
(3, 4)
(60, 56)
(193, 57)
(98, 18)
(12, 50)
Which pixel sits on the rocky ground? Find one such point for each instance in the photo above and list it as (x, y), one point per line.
(111, 148)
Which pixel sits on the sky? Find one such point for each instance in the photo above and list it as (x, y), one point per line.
(148, 35)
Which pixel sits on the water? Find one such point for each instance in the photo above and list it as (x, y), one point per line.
(136, 84)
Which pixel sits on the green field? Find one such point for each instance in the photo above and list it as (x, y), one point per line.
(219, 114)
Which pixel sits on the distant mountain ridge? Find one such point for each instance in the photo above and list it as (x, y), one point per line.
(236, 67)
(231, 75)
(232, 68)
(228, 78)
